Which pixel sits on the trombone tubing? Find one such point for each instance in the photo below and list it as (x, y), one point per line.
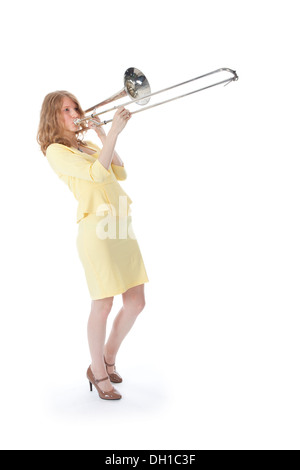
(227, 81)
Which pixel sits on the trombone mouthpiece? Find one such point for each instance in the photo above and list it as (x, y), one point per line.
(77, 122)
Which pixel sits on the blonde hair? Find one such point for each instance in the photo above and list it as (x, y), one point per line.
(51, 128)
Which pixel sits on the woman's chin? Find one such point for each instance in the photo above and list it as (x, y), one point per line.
(74, 128)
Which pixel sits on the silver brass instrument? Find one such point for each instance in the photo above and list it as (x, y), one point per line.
(137, 87)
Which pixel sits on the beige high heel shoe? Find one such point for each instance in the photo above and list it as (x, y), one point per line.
(114, 376)
(111, 395)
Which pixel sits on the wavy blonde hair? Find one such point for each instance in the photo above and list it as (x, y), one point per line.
(51, 129)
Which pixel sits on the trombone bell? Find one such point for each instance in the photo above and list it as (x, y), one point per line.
(137, 85)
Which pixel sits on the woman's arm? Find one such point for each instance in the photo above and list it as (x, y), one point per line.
(116, 160)
(108, 154)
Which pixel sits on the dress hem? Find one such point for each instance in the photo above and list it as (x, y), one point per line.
(120, 292)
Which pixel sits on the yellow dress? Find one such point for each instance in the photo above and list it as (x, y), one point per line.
(106, 243)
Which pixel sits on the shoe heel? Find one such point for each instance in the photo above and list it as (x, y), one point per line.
(110, 395)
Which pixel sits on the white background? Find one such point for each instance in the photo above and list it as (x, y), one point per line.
(213, 361)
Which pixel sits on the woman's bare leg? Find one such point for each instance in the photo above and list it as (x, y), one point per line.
(133, 304)
(100, 310)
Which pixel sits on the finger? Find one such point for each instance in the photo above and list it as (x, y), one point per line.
(93, 123)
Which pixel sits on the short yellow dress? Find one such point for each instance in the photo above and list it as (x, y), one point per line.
(106, 243)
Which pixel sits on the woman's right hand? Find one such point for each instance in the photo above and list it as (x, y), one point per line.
(120, 119)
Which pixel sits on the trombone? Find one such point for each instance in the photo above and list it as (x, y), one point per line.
(137, 87)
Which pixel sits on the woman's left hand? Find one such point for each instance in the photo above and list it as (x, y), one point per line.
(99, 129)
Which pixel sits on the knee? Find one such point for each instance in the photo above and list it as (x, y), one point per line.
(141, 305)
(135, 305)
(102, 306)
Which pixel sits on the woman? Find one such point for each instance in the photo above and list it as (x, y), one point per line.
(113, 264)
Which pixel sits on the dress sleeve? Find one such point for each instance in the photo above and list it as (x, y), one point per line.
(64, 162)
(119, 172)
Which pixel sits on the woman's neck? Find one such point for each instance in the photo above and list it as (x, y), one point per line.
(72, 137)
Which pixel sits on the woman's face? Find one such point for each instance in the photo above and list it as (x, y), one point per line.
(69, 112)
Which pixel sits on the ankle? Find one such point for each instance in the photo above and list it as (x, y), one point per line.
(99, 370)
(109, 357)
